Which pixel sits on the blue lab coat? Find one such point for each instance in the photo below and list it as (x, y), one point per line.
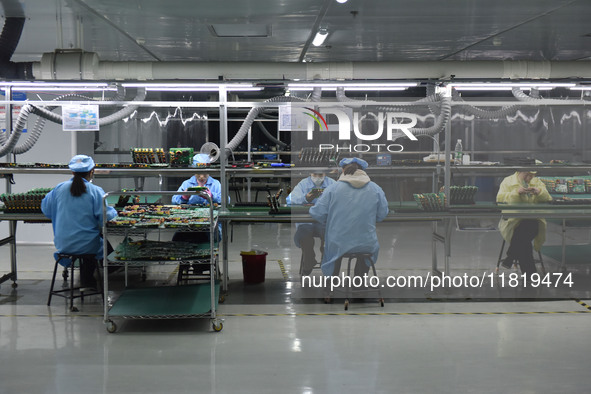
(350, 209)
(77, 221)
(212, 184)
(298, 194)
(298, 197)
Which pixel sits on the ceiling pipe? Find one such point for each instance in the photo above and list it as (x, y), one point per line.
(79, 65)
(9, 38)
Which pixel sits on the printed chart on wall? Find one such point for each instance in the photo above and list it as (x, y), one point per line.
(80, 117)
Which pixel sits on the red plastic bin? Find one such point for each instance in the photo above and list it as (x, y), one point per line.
(253, 266)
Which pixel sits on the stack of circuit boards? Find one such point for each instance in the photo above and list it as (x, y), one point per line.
(181, 156)
(29, 202)
(130, 250)
(163, 216)
(431, 202)
(314, 156)
(148, 155)
(462, 194)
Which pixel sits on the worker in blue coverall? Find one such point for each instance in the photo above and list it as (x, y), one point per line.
(305, 192)
(350, 209)
(75, 208)
(214, 189)
(199, 179)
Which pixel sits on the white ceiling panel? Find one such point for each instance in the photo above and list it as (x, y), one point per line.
(359, 30)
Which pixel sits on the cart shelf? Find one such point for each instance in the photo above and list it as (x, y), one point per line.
(166, 302)
(198, 300)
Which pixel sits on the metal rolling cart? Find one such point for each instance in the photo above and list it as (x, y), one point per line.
(197, 300)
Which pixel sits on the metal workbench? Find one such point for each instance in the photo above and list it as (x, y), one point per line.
(443, 222)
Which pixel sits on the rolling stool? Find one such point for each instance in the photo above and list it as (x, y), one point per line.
(69, 293)
(538, 261)
(364, 257)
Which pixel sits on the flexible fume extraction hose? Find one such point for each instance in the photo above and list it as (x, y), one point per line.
(107, 120)
(8, 146)
(35, 133)
(440, 120)
(534, 96)
(252, 114)
(483, 113)
(270, 136)
(19, 125)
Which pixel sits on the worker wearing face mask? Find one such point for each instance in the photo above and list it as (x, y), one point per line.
(350, 209)
(307, 191)
(214, 189)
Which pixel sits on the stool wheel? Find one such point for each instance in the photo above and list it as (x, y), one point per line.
(217, 325)
(111, 326)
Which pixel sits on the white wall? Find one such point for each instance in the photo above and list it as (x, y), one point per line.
(54, 146)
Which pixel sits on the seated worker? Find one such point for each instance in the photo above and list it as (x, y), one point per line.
(214, 189)
(75, 208)
(201, 178)
(522, 187)
(307, 192)
(350, 209)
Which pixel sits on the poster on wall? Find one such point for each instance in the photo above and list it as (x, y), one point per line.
(80, 117)
(291, 120)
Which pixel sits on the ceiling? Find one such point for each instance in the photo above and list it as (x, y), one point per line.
(359, 30)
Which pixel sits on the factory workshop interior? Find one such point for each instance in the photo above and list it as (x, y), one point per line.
(311, 196)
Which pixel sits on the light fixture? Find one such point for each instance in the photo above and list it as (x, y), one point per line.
(342, 1)
(510, 85)
(373, 86)
(191, 87)
(58, 86)
(320, 37)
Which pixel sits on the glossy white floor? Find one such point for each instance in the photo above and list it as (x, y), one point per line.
(274, 342)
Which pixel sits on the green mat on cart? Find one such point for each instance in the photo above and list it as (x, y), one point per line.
(165, 301)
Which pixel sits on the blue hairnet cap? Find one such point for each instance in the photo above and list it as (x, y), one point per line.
(362, 163)
(81, 163)
(201, 158)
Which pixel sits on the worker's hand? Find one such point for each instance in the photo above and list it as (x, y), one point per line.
(311, 195)
(185, 196)
(534, 190)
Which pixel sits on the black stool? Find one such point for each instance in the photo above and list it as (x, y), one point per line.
(360, 259)
(73, 292)
(538, 261)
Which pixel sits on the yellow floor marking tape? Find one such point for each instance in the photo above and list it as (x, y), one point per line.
(283, 271)
(397, 313)
(583, 304)
(337, 314)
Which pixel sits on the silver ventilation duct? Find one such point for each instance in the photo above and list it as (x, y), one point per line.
(79, 65)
